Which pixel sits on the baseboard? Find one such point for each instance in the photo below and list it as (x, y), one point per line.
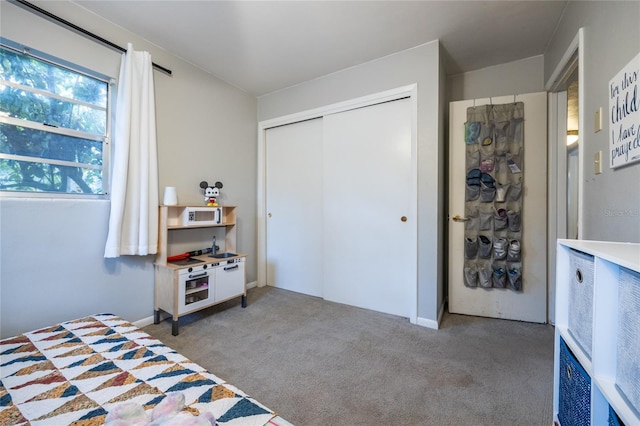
(144, 322)
(252, 284)
(429, 323)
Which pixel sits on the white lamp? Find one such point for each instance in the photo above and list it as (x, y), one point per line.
(170, 196)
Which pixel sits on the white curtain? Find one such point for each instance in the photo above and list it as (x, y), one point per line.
(133, 222)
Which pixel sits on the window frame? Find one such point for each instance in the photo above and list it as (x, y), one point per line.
(104, 139)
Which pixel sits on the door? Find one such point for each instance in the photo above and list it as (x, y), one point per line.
(229, 280)
(530, 303)
(294, 207)
(369, 208)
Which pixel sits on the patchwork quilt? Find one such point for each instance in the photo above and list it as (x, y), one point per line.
(75, 372)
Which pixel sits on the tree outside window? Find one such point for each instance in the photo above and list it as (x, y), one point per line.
(53, 127)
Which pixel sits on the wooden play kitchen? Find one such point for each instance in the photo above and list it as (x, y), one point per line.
(195, 280)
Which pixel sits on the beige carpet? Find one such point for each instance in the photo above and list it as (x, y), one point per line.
(321, 363)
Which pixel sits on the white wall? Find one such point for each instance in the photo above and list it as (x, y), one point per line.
(418, 65)
(512, 78)
(51, 264)
(611, 209)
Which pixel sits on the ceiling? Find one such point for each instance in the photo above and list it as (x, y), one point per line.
(264, 46)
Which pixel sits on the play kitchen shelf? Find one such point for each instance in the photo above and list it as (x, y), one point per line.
(199, 281)
(597, 337)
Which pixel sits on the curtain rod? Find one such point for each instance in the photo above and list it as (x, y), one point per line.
(64, 22)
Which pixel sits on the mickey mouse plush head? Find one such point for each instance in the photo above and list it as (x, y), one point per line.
(211, 193)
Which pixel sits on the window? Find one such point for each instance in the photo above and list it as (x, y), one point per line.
(54, 122)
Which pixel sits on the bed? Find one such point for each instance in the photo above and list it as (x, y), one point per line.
(76, 372)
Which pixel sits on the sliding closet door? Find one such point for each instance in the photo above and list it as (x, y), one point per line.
(369, 226)
(294, 207)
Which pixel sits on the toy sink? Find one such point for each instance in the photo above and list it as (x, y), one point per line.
(222, 255)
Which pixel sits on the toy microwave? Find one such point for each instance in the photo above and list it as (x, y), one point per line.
(201, 216)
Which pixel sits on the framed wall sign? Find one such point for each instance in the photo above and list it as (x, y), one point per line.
(624, 118)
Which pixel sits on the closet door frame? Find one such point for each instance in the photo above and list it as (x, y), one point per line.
(410, 91)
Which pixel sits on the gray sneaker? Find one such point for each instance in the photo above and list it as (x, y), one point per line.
(499, 278)
(485, 247)
(513, 252)
(470, 248)
(471, 276)
(515, 279)
(499, 248)
(484, 276)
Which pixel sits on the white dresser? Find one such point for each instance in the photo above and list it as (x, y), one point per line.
(597, 338)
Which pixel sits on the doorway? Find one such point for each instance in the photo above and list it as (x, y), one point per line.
(565, 158)
(573, 157)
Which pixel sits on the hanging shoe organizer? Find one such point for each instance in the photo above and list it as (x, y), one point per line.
(494, 138)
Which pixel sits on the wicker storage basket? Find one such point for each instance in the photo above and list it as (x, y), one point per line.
(575, 390)
(581, 299)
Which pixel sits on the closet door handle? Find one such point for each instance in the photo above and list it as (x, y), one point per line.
(403, 218)
(457, 218)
